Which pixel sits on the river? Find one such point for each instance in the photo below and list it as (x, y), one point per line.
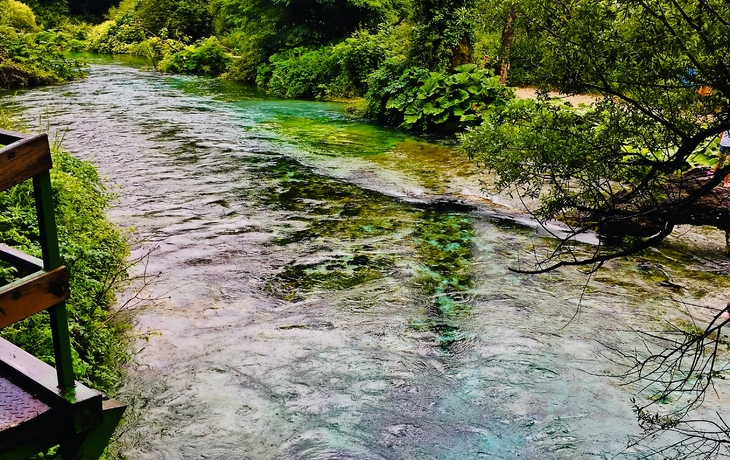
(320, 292)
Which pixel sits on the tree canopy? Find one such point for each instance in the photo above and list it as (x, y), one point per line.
(644, 60)
(285, 24)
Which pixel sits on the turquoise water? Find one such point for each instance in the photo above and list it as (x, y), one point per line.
(329, 289)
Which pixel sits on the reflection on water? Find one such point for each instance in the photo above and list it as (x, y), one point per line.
(314, 305)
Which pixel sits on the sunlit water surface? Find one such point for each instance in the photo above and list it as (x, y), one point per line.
(315, 301)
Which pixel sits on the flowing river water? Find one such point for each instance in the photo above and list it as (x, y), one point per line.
(323, 294)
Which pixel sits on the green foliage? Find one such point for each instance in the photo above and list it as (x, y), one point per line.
(49, 13)
(433, 101)
(34, 59)
(30, 59)
(17, 15)
(155, 48)
(116, 36)
(205, 57)
(95, 252)
(443, 34)
(74, 35)
(532, 140)
(54, 13)
(299, 23)
(298, 73)
(180, 18)
(333, 71)
(246, 57)
(357, 57)
(618, 161)
(526, 49)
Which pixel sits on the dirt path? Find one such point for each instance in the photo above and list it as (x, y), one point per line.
(531, 93)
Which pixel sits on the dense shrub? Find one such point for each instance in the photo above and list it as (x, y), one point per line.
(247, 55)
(116, 36)
(282, 25)
(297, 73)
(34, 59)
(155, 48)
(356, 58)
(49, 13)
(442, 33)
(182, 19)
(206, 57)
(392, 77)
(75, 35)
(433, 101)
(17, 15)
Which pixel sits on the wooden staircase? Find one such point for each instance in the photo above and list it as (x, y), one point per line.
(42, 406)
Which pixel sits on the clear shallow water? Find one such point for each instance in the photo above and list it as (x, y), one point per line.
(313, 304)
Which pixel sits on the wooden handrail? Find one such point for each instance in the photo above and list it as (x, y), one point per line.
(34, 293)
(73, 416)
(22, 159)
(29, 157)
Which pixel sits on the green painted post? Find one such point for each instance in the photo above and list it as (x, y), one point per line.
(52, 259)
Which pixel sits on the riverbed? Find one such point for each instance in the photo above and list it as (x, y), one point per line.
(323, 288)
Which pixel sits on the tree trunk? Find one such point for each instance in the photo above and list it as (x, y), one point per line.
(712, 209)
(508, 38)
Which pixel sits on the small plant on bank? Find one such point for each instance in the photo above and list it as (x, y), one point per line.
(32, 59)
(433, 101)
(206, 57)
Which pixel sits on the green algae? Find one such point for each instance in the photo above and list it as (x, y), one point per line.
(354, 236)
(330, 275)
(335, 136)
(446, 273)
(434, 165)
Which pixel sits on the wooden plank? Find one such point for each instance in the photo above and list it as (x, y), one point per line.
(31, 294)
(20, 259)
(24, 159)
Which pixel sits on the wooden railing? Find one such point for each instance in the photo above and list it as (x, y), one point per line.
(41, 407)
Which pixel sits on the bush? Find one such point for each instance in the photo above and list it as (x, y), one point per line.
(298, 73)
(183, 19)
(247, 56)
(205, 57)
(116, 36)
(75, 35)
(17, 15)
(155, 48)
(49, 13)
(34, 59)
(356, 57)
(434, 101)
(394, 79)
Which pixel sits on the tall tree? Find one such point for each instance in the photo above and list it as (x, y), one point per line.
(619, 162)
(280, 24)
(443, 33)
(644, 60)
